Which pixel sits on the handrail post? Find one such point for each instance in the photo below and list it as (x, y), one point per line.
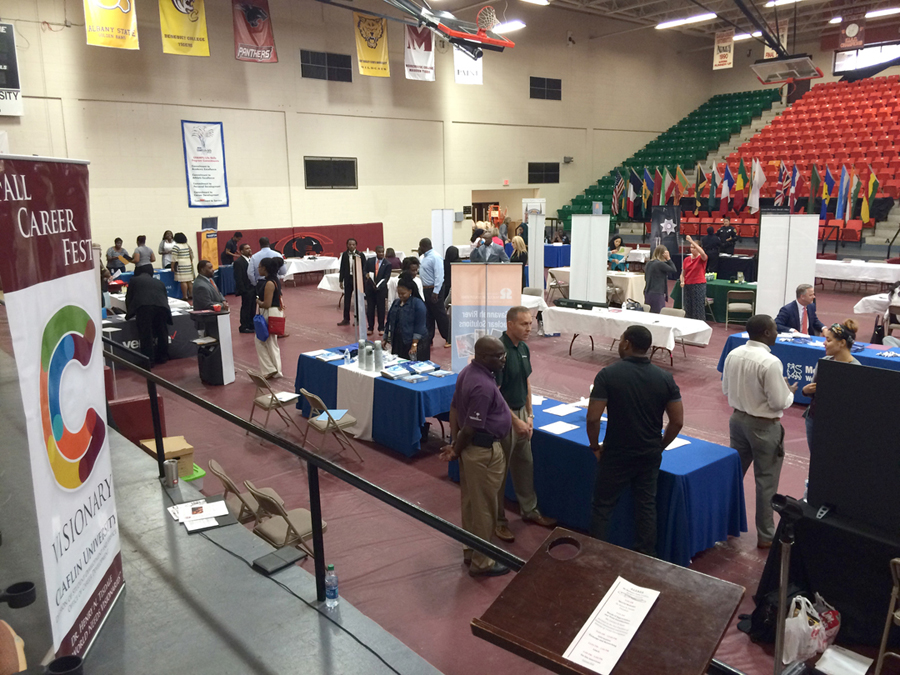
(157, 428)
(315, 509)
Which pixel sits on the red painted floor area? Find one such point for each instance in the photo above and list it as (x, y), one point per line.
(407, 577)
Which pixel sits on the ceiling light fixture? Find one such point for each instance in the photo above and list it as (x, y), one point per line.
(779, 3)
(874, 14)
(835, 20)
(746, 36)
(508, 26)
(538, 2)
(682, 22)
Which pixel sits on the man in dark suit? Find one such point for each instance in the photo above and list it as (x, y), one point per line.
(346, 279)
(146, 299)
(378, 273)
(800, 316)
(206, 293)
(243, 287)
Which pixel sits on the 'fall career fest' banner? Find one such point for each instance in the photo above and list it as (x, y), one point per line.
(51, 290)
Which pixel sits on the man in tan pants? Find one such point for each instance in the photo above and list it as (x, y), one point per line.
(516, 390)
(479, 418)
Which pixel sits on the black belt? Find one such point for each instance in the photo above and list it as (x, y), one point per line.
(483, 439)
(757, 417)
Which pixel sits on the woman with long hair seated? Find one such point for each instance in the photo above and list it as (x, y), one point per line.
(268, 294)
(617, 254)
(405, 334)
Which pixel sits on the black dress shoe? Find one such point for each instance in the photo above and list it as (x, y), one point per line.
(343, 323)
(495, 570)
(246, 330)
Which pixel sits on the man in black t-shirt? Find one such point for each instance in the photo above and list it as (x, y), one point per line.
(727, 235)
(230, 254)
(634, 394)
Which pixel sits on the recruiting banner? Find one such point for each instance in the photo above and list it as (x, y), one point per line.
(111, 23)
(418, 55)
(481, 295)
(10, 89)
(183, 27)
(51, 289)
(254, 38)
(204, 164)
(467, 70)
(371, 45)
(723, 52)
(209, 242)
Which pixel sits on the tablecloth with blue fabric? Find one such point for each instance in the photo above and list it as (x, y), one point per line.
(799, 360)
(700, 491)
(173, 288)
(224, 277)
(557, 256)
(399, 409)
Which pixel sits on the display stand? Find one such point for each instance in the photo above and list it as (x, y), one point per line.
(441, 229)
(358, 311)
(587, 279)
(215, 356)
(787, 258)
(542, 609)
(536, 251)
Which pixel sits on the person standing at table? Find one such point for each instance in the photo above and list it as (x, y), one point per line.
(520, 255)
(391, 256)
(432, 272)
(405, 333)
(230, 254)
(143, 255)
(146, 300)
(378, 273)
(516, 390)
(183, 262)
(711, 244)
(479, 419)
(256, 259)
(759, 394)
(727, 235)
(656, 274)
(693, 282)
(800, 316)
(116, 257)
(245, 289)
(206, 293)
(451, 255)
(409, 270)
(345, 278)
(165, 249)
(268, 293)
(634, 393)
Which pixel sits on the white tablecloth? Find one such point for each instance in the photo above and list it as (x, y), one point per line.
(631, 283)
(534, 302)
(117, 301)
(330, 282)
(464, 250)
(858, 270)
(872, 304)
(355, 392)
(303, 265)
(640, 255)
(611, 323)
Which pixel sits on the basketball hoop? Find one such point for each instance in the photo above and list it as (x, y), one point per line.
(486, 19)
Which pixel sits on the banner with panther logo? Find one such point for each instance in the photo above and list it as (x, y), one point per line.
(254, 39)
(183, 27)
(111, 23)
(51, 288)
(371, 45)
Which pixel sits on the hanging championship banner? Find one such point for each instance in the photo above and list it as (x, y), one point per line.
(467, 70)
(853, 31)
(769, 53)
(10, 90)
(481, 296)
(183, 27)
(371, 45)
(254, 39)
(111, 23)
(204, 164)
(50, 285)
(418, 54)
(723, 52)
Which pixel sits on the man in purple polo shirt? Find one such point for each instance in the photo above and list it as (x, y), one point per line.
(479, 419)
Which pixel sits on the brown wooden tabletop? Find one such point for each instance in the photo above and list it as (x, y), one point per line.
(541, 611)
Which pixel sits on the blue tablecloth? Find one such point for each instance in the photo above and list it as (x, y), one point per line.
(700, 492)
(224, 277)
(399, 409)
(173, 288)
(557, 256)
(800, 360)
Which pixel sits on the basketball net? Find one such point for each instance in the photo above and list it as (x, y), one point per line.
(486, 19)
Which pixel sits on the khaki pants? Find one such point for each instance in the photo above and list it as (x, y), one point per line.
(267, 352)
(760, 442)
(481, 471)
(518, 459)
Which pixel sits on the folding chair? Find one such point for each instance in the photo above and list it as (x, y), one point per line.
(242, 505)
(279, 527)
(268, 399)
(556, 285)
(893, 618)
(671, 311)
(737, 301)
(327, 424)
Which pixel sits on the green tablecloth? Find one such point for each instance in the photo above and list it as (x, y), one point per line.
(717, 290)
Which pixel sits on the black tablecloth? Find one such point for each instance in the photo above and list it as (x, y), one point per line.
(181, 332)
(729, 266)
(848, 563)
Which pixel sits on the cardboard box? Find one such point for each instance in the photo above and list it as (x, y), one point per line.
(174, 447)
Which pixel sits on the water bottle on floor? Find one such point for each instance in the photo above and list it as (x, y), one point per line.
(331, 588)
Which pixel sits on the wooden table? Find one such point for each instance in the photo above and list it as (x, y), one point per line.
(542, 609)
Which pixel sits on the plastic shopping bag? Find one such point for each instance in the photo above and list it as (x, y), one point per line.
(831, 619)
(804, 635)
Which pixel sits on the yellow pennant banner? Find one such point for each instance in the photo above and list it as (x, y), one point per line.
(111, 23)
(371, 45)
(183, 26)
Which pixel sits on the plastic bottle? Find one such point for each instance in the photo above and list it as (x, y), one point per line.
(331, 588)
(379, 357)
(361, 355)
(346, 357)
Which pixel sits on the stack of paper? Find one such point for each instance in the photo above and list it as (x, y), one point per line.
(330, 356)
(198, 515)
(562, 410)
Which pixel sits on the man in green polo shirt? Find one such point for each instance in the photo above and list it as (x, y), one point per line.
(516, 390)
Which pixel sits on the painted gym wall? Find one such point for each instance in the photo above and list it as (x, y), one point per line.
(419, 145)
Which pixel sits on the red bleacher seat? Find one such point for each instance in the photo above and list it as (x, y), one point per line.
(853, 231)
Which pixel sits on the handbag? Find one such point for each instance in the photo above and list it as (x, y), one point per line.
(878, 334)
(633, 305)
(276, 321)
(261, 327)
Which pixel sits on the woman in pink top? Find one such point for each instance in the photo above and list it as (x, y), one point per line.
(693, 282)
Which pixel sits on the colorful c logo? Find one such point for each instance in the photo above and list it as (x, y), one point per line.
(69, 335)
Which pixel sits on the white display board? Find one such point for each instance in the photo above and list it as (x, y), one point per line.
(532, 206)
(535, 245)
(441, 230)
(587, 279)
(787, 258)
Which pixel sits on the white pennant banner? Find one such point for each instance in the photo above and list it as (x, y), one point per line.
(466, 69)
(419, 54)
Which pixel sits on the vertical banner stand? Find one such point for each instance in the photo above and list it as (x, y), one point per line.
(441, 230)
(209, 243)
(359, 300)
(587, 278)
(536, 251)
(787, 258)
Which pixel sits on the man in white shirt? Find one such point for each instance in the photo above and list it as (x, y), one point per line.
(263, 253)
(431, 271)
(757, 390)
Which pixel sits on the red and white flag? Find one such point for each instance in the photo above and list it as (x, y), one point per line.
(418, 54)
(254, 39)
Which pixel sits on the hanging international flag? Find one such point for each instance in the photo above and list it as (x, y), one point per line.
(727, 184)
(254, 39)
(739, 193)
(634, 188)
(853, 196)
(467, 70)
(183, 27)
(715, 183)
(700, 184)
(780, 192)
(418, 54)
(827, 189)
(647, 188)
(794, 189)
(111, 25)
(371, 45)
(657, 188)
(843, 188)
(756, 184)
(668, 186)
(814, 182)
(681, 185)
(869, 197)
(618, 189)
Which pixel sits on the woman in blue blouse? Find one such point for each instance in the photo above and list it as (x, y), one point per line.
(405, 334)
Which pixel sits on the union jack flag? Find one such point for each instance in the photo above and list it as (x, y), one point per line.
(782, 185)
